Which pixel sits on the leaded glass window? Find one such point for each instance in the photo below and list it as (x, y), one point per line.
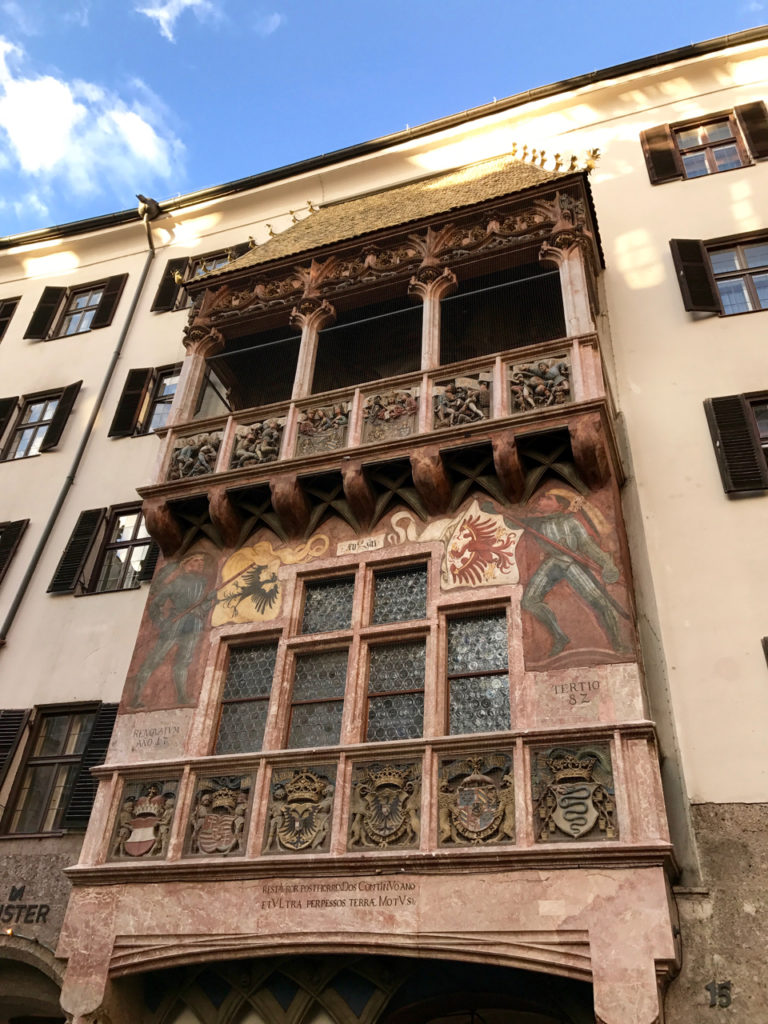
(318, 699)
(396, 691)
(478, 679)
(328, 605)
(245, 702)
(400, 594)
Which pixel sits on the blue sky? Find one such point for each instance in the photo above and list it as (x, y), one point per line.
(100, 99)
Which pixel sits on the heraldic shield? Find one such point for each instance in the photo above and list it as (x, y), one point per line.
(476, 801)
(575, 794)
(300, 810)
(385, 805)
(144, 823)
(217, 822)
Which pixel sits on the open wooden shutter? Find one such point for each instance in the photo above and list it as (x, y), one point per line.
(84, 788)
(150, 562)
(42, 318)
(239, 250)
(11, 729)
(753, 119)
(8, 407)
(72, 562)
(10, 536)
(662, 156)
(737, 446)
(7, 309)
(694, 275)
(113, 289)
(60, 417)
(126, 418)
(168, 292)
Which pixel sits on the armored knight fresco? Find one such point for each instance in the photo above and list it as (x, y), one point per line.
(385, 805)
(219, 813)
(573, 794)
(541, 384)
(323, 429)
(144, 821)
(476, 800)
(194, 456)
(300, 809)
(257, 444)
(390, 415)
(462, 400)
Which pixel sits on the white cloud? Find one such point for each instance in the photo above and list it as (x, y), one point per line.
(22, 17)
(166, 13)
(78, 14)
(80, 136)
(269, 23)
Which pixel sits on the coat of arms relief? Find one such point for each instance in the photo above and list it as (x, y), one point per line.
(300, 809)
(574, 794)
(476, 800)
(385, 805)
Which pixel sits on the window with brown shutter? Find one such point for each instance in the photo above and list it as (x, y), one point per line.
(108, 550)
(40, 421)
(65, 311)
(10, 538)
(171, 294)
(11, 729)
(145, 401)
(709, 145)
(7, 309)
(723, 275)
(739, 428)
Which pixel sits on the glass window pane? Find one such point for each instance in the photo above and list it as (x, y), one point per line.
(34, 412)
(85, 320)
(159, 416)
(250, 672)
(400, 594)
(79, 301)
(397, 667)
(695, 164)
(734, 296)
(724, 260)
(328, 605)
(63, 780)
(111, 570)
(756, 255)
(760, 282)
(71, 324)
(479, 704)
(23, 443)
(52, 736)
(398, 716)
(136, 555)
(124, 526)
(34, 448)
(727, 157)
(316, 725)
(50, 408)
(168, 384)
(689, 137)
(717, 131)
(79, 733)
(33, 799)
(322, 675)
(477, 643)
(760, 411)
(242, 727)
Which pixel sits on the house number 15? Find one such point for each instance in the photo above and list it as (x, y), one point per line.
(719, 993)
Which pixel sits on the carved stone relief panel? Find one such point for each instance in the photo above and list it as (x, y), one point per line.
(394, 414)
(195, 455)
(257, 443)
(476, 800)
(300, 809)
(462, 400)
(217, 824)
(385, 805)
(540, 384)
(323, 429)
(573, 793)
(144, 822)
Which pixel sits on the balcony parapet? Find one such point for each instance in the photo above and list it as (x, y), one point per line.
(490, 801)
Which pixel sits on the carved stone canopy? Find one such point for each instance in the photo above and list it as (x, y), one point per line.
(541, 222)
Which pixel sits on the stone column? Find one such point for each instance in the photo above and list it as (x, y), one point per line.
(567, 251)
(310, 316)
(200, 343)
(431, 284)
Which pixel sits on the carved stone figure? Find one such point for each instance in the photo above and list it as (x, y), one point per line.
(537, 385)
(194, 456)
(476, 800)
(323, 429)
(218, 816)
(144, 823)
(390, 415)
(461, 401)
(573, 794)
(257, 444)
(300, 810)
(385, 805)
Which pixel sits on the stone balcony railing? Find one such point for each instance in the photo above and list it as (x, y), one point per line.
(504, 798)
(535, 381)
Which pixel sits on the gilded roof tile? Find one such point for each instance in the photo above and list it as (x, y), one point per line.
(397, 205)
